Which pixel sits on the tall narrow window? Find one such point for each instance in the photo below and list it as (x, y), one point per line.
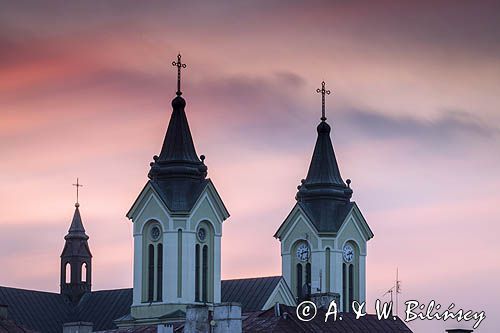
(204, 271)
(68, 272)
(205, 274)
(179, 263)
(308, 279)
(84, 272)
(327, 270)
(344, 287)
(351, 285)
(299, 281)
(159, 279)
(197, 274)
(151, 272)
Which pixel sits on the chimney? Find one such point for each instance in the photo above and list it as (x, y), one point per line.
(165, 328)
(197, 319)
(459, 330)
(4, 311)
(227, 318)
(78, 327)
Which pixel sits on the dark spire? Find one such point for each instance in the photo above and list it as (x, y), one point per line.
(178, 157)
(76, 230)
(76, 260)
(323, 178)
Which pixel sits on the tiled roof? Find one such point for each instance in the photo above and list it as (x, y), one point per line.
(267, 321)
(287, 322)
(139, 329)
(9, 326)
(37, 310)
(47, 312)
(251, 293)
(102, 307)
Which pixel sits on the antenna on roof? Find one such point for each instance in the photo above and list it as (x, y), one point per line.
(395, 289)
(390, 291)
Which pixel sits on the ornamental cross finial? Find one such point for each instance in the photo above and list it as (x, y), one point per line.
(323, 91)
(77, 186)
(179, 65)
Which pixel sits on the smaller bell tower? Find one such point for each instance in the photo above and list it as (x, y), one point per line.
(76, 259)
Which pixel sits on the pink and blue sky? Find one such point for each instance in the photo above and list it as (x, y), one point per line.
(85, 91)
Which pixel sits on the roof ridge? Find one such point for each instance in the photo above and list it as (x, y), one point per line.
(255, 277)
(31, 290)
(116, 289)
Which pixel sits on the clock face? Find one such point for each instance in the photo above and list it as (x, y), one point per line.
(303, 252)
(155, 233)
(202, 234)
(348, 253)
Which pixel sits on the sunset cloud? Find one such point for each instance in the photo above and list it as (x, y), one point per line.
(86, 86)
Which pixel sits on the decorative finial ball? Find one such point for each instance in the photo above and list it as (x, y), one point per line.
(151, 164)
(302, 181)
(155, 158)
(323, 127)
(202, 158)
(77, 205)
(178, 102)
(348, 181)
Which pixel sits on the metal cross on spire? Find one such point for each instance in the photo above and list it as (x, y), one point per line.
(77, 186)
(323, 91)
(179, 65)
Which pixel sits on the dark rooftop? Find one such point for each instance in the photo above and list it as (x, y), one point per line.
(267, 321)
(251, 293)
(47, 312)
(287, 321)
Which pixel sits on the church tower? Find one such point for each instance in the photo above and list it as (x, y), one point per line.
(323, 239)
(76, 260)
(177, 227)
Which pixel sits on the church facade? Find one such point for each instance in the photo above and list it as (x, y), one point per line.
(178, 220)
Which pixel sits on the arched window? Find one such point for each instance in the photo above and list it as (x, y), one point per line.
(67, 269)
(197, 273)
(179, 263)
(159, 273)
(204, 261)
(308, 279)
(152, 262)
(84, 272)
(350, 275)
(299, 281)
(351, 285)
(300, 253)
(344, 289)
(151, 272)
(327, 269)
(204, 274)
